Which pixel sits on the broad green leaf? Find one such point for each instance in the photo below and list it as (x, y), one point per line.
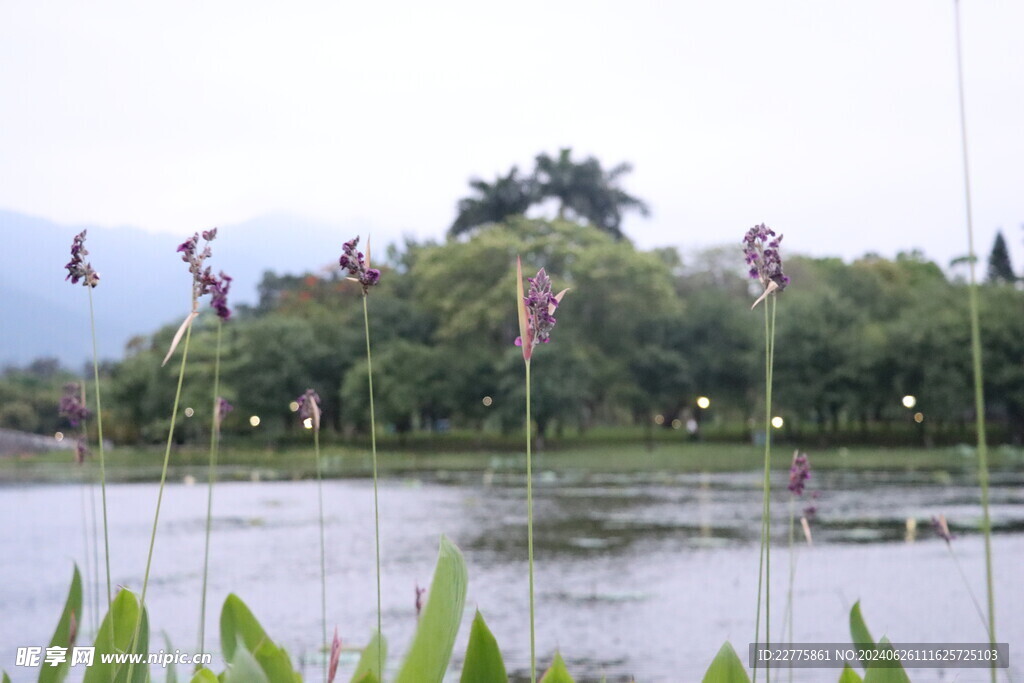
(237, 623)
(483, 658)
(726, 667)
(115, 636)
(877, 674)
(431, 649)
(369, 660)
(172, 672)
(275, 662)
(368, 677)
(849, 676)
(204, 675)
(243, 667)
(239, 628)
(6, 679)
(858, 629)
(557, 673)
(67, 629)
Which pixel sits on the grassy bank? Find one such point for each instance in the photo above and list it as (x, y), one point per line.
(243, 463)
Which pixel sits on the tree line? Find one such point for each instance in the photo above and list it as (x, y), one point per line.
(640, 336)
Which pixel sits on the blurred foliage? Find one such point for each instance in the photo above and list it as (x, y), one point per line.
(640, 334)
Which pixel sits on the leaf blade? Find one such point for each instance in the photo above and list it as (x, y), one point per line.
(726, 667)
(483, 663)
(557, 673)
(369, 660)
(431, 649)
(67, 627)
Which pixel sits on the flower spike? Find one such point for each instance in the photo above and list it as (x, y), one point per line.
(761, 250)
(536, 310)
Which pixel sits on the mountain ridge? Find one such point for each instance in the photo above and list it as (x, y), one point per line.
(144, 284)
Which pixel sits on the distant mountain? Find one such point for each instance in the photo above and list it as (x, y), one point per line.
(144, 283)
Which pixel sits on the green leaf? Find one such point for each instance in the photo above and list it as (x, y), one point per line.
(726, 667)
(849, 676)
(243, 667)
(6, 679)
(557, 673)
(237, 623)
(275, 662)
(858, 629)
(67, 628)
(172, 672)
(483, 658)
(204, 675)
(368, 677)
(239, 629)
(115, 636)
(431, 649)
(369, 660)
(877, 674)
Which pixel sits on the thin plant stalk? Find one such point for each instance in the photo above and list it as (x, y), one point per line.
(529, 525)
(99, 431)
(967, 584)
(95, 559)
(373, 450)
(788, 621)
(160, 494)
(979, 395)
(89, 577)
(323, 545)
(764, 562)
(214, 448)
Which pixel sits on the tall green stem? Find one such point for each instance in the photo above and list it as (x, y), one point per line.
(214, 445)
(529, 524)
(160, 495)
(979, 394)
(323, 545)
(373, 449)
(99, 431)
(95, 559)
(764, 562)
(967, 585)
(85, 542)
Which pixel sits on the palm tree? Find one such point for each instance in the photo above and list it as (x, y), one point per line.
(508, 195)
(585, 190)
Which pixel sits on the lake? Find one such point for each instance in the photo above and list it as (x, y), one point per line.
(637, 574)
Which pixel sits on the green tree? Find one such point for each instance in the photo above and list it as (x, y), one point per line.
(585, 190)
(507, 196)
(1000, 270)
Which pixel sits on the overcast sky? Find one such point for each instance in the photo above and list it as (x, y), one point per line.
(833, 121)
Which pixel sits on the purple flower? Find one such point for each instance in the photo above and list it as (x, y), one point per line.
(799, 472)
(223, 407)
(358, 265)
(220, 411)
(309, 407)
(77, 268)
(203, 280)
(942, 528)
(536, 319)
(761, 251)
(219, 295)
(811, 510)
(71, 405)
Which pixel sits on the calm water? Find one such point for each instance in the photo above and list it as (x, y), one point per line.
(640, 576)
